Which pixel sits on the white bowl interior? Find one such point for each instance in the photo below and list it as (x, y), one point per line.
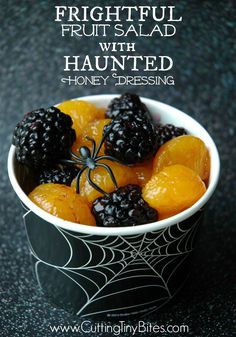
(167, 114)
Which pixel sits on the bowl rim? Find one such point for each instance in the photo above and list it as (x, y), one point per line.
(129, 230)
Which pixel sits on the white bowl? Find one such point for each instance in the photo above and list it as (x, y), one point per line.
(115, 272)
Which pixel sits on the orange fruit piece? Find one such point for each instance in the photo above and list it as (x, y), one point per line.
(173, 190)
(81, 113)
(186, 150)
(124, 175)
(143, 172)
(62, 201)
(93, 130)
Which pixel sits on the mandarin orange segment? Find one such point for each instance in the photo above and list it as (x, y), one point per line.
(143, 172)
(93, 130)
(124, 175)
(186, 150)
(173, 190)
(81, 113)
(63, 202)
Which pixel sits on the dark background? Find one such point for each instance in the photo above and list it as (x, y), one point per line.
(204, 52)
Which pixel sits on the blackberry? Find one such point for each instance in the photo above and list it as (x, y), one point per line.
(125, 102)
(130, 138)
(167, 132)
(43, 137)
(123, 207)
(63, 175)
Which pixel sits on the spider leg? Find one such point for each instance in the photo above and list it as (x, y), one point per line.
(107, 157)
(69, 161)
(99, 147)
(94, 145)
(95, 186)
(102, 140)
(106, 167)
(78, 178)
(76, 157)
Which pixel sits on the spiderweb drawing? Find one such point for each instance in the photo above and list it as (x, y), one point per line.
(116, 275)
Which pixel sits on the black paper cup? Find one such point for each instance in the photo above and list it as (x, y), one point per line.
(113, 272)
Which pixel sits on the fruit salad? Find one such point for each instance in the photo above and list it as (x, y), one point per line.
(113, 166)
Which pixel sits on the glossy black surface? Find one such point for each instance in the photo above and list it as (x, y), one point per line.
(204, 51)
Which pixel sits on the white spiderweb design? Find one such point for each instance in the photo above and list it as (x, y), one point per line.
(117, 275)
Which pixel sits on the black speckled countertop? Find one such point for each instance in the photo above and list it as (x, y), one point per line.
(204, 53)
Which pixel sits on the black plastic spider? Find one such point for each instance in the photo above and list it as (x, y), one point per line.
(90, 160)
